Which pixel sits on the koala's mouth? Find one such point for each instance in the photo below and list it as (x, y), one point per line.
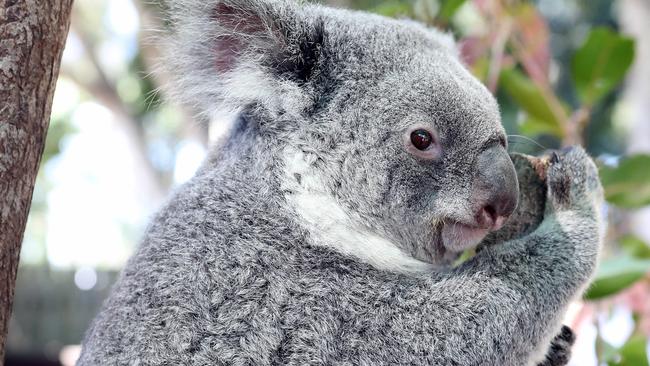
(457, 237)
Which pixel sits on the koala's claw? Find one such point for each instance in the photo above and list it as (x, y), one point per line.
(559, 353)
(555, 158)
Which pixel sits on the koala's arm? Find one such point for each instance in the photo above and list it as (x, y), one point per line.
(504, 306)
(522, 288)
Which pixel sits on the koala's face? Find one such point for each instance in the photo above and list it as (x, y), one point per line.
(383, 136)
(416, 147)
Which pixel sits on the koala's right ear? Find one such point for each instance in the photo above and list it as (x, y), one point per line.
(241, 53)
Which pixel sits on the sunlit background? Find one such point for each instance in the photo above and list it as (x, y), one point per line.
(115, 150)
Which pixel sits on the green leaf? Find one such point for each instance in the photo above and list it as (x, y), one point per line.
(628, 184)
(528, 96)
(605, 351)
(635, 247)
(449, 8)
(633, 352)
(601, 63)
(464, 257)
(617, 274)
(531, 126)
(394, 8)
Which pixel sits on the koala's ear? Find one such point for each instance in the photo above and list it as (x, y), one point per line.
(237, 53)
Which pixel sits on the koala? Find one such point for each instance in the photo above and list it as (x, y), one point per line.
(364, 159)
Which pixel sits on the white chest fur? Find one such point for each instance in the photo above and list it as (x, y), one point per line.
(330, 225)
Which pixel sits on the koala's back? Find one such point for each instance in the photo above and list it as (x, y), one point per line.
(206, 276)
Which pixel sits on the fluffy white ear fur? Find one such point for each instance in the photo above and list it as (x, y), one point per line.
(222, 55)
(330, 225)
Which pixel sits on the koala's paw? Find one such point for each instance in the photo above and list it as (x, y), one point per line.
(559, 353)
(573, 182)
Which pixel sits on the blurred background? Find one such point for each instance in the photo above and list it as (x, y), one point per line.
(564, 72)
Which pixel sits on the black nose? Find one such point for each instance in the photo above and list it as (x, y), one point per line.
(496, 190)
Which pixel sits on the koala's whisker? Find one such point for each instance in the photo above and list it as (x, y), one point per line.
(150, 98)
(527, 139)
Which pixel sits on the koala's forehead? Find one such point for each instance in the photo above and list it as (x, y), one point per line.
(446, 89)
(432, 88)
(403, 72)
(367, 38)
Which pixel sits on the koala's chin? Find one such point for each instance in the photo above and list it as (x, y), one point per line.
(458, 237)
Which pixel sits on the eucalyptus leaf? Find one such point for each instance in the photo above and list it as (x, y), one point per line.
(529, 97)
(394, 8)
(635, 247)
(449, 8)
(606, 352)
(531, 126)
(628, 184)
(616, 274)
(601, 63)
(633, 352)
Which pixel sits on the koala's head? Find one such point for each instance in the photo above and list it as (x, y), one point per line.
(383, 137)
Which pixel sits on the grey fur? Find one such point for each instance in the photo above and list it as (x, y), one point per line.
(232, 272)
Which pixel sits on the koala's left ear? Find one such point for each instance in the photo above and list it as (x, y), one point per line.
(237, 53)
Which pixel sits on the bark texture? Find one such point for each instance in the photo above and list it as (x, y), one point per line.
(32, 35)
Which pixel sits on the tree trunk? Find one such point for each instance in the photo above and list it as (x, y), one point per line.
(32, 35)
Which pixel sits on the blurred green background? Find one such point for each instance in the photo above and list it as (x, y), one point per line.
(564, 72)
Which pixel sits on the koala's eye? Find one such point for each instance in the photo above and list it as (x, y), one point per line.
(421, 139)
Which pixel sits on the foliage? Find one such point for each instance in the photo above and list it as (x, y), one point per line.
(628, 184)
(601, 63)
(633, 353)
(539, 115)
(617, 274)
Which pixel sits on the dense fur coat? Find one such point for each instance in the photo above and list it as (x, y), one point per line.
(313, 236)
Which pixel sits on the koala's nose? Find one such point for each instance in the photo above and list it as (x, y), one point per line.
(496, 189)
